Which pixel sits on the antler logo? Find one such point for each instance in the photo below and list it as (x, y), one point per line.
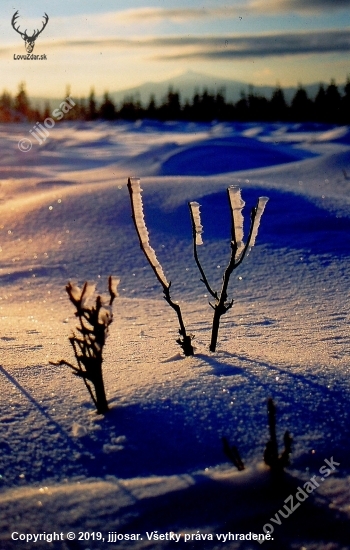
(29, 41)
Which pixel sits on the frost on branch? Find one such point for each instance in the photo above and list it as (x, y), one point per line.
(139, 219)
(196, 217)
(238, 250)
(256, 222)
(95, 316)
(236, 204)
(185, 340)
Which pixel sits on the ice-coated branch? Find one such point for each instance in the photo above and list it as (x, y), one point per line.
(237, 225)
(141, 229)
(196, 221)
(256, 218)
(185, 340)
(238, 250)
(236, 206)
(197, 230)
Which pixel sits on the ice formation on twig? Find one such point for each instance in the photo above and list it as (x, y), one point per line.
(139, 219)
(135, 192)
(196, 217)
(238, 250)
(236, 204)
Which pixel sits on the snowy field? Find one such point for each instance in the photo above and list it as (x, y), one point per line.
(155, 462)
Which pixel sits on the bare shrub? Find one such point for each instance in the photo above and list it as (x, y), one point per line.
(276, 462)
(88, 342)
(271, 456)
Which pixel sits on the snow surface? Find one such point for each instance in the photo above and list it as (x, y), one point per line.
(155, 462)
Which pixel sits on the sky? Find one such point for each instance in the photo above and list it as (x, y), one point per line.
(113, 45)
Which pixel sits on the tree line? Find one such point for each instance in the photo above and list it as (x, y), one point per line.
(330, 105)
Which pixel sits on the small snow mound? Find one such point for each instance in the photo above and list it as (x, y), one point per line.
(175, 357)
(108, 448)
(78, 430)
(334, 133)
(118, 440)
(252, 132)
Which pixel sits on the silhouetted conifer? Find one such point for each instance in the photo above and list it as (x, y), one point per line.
(278, 105)
(241, 107)
(258, 106)
(151, 110)
(22, 105)
(302, 106)
(345, 102)
(47, 110)
(131, 110)
(320, 104)
(72, 114)
(220, 104)
(6, 107)
(92, 106)
(333, 101)
(81, 109)
(330, 105)
(171, 106)
(107, 109)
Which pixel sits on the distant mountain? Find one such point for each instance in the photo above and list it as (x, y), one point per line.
(190, 82)
(187, 84)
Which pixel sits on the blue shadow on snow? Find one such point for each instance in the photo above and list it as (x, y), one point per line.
(289, 220)
(229, 154)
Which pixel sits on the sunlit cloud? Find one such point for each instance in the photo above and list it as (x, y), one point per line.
(252, 7)
(297, 6)
(177, 15)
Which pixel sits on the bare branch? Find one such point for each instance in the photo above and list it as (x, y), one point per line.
(232, 454)
(271, 457)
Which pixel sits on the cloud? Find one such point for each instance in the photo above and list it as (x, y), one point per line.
(297, 6)
(258, 46)
(251, 7)
(178, 14)
(186, 47)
